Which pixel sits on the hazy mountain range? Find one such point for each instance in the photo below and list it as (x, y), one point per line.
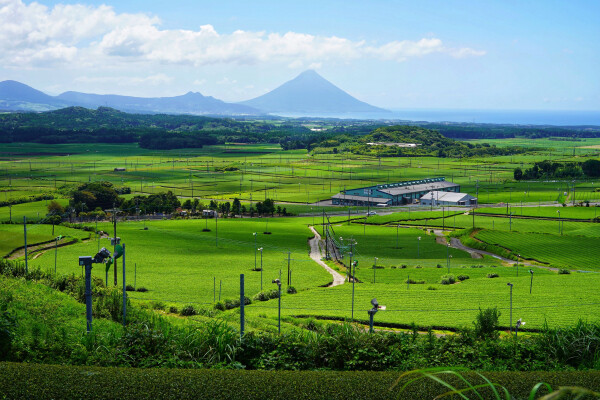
(308, 94)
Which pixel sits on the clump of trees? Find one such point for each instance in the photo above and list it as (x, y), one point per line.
(548, 169)
(92, 198)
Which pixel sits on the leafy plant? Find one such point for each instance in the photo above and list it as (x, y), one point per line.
(448, 280)
(486, 323)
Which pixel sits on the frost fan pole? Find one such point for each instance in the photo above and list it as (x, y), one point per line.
(124, 289)
(242, 301)
(25, 234)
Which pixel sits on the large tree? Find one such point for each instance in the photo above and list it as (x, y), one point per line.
(591, 168)
(91, 195)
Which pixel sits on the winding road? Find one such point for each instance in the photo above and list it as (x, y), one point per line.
(317, 255)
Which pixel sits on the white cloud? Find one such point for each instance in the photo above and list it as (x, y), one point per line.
(34, 35)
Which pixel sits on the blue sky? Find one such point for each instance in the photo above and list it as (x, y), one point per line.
(393, 54)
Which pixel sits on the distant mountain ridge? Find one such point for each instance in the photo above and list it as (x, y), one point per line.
(189, 103)
(16, 96)
(310, 93)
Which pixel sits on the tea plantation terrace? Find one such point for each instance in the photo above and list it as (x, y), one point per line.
(400, 193)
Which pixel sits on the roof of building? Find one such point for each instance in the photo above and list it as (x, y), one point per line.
(370, 199)
(397, 191)
(450, 197)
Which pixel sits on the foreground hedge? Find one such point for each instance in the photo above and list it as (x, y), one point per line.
(35, 381)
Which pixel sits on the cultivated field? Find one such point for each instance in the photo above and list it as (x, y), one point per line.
(181, 264)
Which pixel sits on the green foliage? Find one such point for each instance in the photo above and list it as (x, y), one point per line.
(189, 310)
(266, 295)
(447, 279)
(95, 194)
(291, 290)
(462, 277)
(50, 381)
(493, 275)
(486, 323)
(563, 271)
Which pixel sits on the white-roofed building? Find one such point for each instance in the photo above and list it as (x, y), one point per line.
(438, 198)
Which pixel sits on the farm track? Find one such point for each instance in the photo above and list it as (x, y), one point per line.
(316, 255)
(40, 248)
(476, 253)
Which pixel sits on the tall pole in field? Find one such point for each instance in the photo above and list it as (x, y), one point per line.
(97, 234)
(55, 252)
(255, 249)
(353, 281)
(418, 247)
(511, 288)
(288, 265)
(124, 290)
(115, 241)
(531, 284)
(261, 269)
(25, 235)
(448, 256)
(242, 301)
(374, 268)
(397, 228)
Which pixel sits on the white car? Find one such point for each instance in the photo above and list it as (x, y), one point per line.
(371, 213)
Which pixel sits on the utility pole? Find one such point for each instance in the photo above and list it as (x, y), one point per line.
(25, 234)
(288, 265)
(115, 236)
(511, 290)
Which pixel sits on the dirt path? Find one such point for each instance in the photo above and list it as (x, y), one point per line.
(38, 249)
(317, 255)
(475, 253)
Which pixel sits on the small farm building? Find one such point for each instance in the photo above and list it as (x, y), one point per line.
(437, 198)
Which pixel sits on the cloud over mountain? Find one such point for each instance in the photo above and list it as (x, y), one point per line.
(36, 36)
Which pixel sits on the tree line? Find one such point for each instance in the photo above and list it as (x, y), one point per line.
(560, 170)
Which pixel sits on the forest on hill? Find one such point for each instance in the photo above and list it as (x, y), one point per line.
(163, 131)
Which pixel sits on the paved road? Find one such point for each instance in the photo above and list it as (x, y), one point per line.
(317, 255)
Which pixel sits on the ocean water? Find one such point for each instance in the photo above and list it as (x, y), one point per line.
(517, 117)
(520, 117)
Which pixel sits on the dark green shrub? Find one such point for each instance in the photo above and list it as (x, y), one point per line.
(462, 277)
(448, 280)
(158, 305)
(266, 295)
(439, 266)
(291, 290)
(173, 310)
(563, 271)
(188, 310)
(493, 275)
(219, 305)
(486, 323)
(414, 282)
(431, 288)
(142, 289)
(403, 266)
(129, 288)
